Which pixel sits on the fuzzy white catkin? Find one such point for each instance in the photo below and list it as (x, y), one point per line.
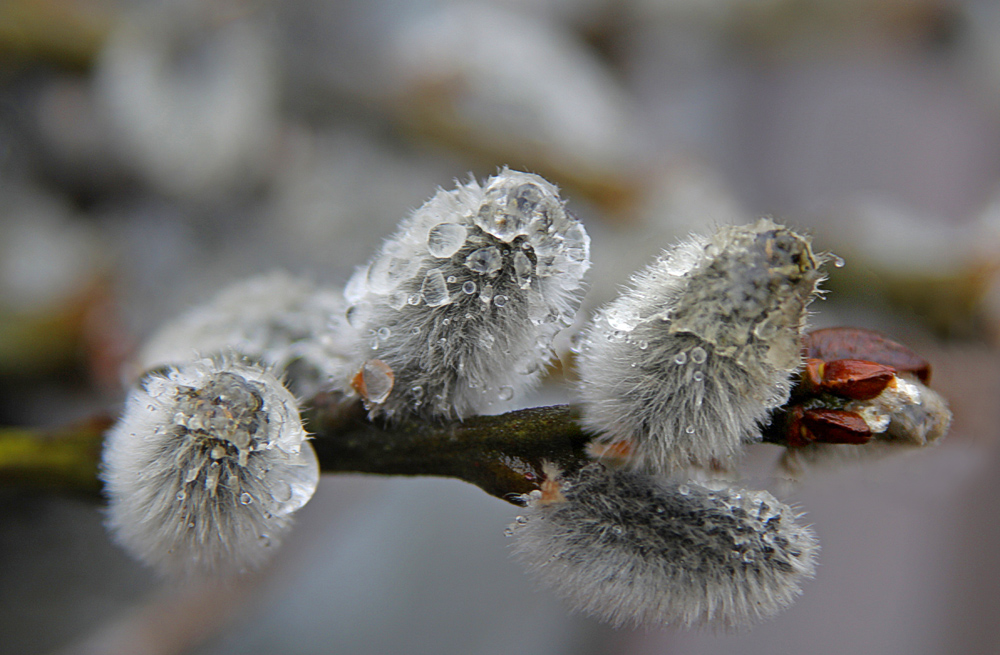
(206, 467)
(629, 548)
(682, 367)
(293, 326)
(459, 307)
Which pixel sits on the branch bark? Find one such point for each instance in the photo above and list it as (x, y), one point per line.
(503, 455)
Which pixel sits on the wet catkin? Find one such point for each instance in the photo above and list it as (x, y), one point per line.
(629, 548)
(458, 309)
(206, 467)
(681, 369)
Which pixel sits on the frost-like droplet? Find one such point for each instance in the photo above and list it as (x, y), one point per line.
(522, 269)
(505, 393)
(624, 319)
(434, 289)
(485, 261)
(469, 287)
(376, 381)
(388, 272)
(445, 239)
(500, 300)
(245, 498)
(698, 355)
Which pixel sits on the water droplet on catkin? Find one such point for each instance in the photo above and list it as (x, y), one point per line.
(434, 289)
(445, 239)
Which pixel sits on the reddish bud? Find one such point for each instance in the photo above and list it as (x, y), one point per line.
(831, 344)
(833, 426)
(856, 379)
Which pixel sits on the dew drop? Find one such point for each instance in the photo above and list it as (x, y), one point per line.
(623, 319)
(282, 492)
(521, 520)
(522, 269)
(837, 261)
(446, 321)
(377, 379)
(500, 300)
(413, 299)
(452, 279)
(698, 376)
(445, 239)
(417, 392)
(485, 261)
(680, 358)
(643, 345)
(509, 532)
(434, 289)
(180, 495)
(246, 498)
(384, 333)
(698, 355)
(683, 489)
(388, 272)
(506, 392)
(689, 429)
(415, 330)
(469, 287)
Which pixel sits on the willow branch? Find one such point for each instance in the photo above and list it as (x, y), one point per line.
(503, 455)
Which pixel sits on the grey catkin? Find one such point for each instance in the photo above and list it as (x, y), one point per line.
(206, 467)
(461, 304)
(682, 367)
(630, 548)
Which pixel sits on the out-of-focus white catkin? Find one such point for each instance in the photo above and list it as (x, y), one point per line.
(460, 306)
(293, 326)
(206, 467)
(629, 548)
(682, 367)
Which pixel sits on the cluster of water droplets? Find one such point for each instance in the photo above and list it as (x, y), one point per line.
(477, 282)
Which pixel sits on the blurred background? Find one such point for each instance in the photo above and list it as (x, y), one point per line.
(153, 152)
